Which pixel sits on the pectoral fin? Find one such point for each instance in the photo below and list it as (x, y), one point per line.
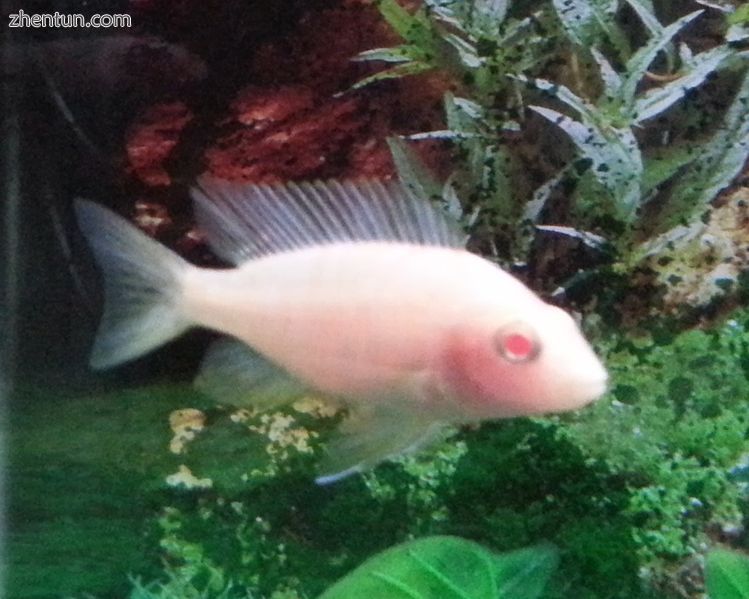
(232, 373)
(370, 436)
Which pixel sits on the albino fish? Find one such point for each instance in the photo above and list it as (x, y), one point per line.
(355, 291)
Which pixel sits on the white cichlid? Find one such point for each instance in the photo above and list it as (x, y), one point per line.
(355, 291)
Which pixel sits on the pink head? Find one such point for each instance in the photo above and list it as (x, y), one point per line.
(532, 363)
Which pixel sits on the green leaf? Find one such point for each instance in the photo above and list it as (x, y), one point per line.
(590, 239)
(644, 10)
(562, 93)
(640, 61)
(402, 53)
(495, 10)
(585, 20)
(615, 158)
(462, 114)
(661, 98)
(533, 207)
(523, 574)
(612, 82)
(441, 134)
(740, 15)
(727, 575)
(402, 21)
(466, 50)
(661, 167)
(443, 567)
(412, 172)
(402, 70)
(720, 161)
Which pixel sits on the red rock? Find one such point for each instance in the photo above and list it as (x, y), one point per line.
(151, 139)
(295, 117)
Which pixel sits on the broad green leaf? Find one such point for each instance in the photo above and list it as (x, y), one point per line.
(445, 567)
(523, 574)
(727, 575)
(640, 61)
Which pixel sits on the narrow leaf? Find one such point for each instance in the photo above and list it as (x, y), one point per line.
(564, 94)
(612, 82)
(402, 70)
(395, 54)
(661, 98)
(466, 50)
(640, 61)
(644, 10)
(590, 239)
(495, 10)
(585, 20)
(398, 18)
(679, 235)
(441, 134)
(534, 206)
(715, 5)
(737, 33)
(412, 172)
(462, 114)
(615, 158)
(720, 161)
(660, 168)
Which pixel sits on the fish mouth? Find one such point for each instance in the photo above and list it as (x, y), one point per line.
(594, 389)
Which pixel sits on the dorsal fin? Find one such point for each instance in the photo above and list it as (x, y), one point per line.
(246, 221)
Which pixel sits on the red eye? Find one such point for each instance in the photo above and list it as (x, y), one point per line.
(517, 344)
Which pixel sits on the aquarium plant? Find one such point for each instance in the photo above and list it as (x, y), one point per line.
(588, 135)
(624, 187)
(727, 574)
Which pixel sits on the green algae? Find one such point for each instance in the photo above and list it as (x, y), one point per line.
(628, 489)
(84, 486)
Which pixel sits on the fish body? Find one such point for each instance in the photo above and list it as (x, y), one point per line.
(399, 323)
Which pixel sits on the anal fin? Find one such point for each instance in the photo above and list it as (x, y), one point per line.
(370, 436)
(232, 373)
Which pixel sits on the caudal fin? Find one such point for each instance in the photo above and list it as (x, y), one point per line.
(141, 287)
